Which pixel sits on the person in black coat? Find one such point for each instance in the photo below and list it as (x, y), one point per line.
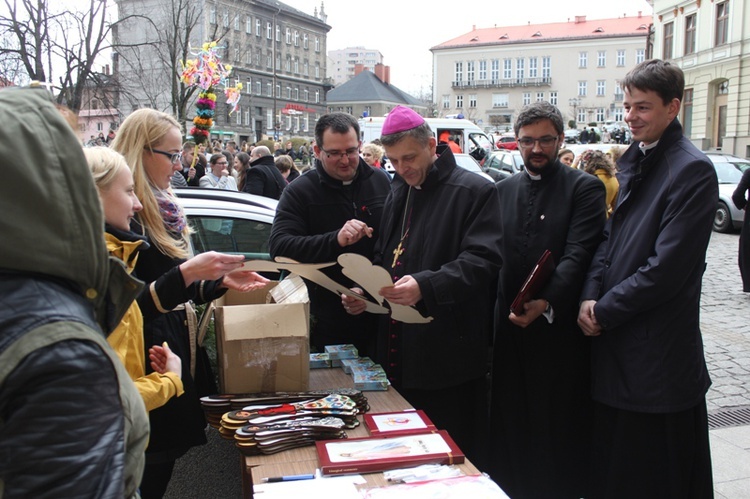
(739, 198)
(641, 304)
(262, 177)
(334, 208)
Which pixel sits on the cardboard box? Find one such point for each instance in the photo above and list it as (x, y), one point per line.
(262, 346)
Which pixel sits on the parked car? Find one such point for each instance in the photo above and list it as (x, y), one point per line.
(741, 164)
(468, 162)
(507, 141)
(506, 163)
(571, 135)
(729, 172)
(229, 222)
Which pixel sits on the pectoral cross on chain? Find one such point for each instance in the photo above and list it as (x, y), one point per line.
(397, 253)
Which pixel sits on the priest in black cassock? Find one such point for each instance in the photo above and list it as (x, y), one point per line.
(541, 405)
(440, 241)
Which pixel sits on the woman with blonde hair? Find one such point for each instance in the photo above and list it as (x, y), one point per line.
(372, 154)
(598, 164)
(151, 143)
(114, 183)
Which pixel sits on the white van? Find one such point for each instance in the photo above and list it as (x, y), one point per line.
(470, 137)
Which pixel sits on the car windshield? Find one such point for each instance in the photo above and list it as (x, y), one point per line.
(468, 163)
(727, 173)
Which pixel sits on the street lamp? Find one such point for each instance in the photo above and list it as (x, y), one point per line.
(574, 103)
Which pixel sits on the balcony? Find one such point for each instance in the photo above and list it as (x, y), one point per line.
(504, 83)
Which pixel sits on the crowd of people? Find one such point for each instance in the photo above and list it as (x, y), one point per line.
(596, 388)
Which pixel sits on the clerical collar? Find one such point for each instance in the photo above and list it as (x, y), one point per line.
(533, 176)
(645, 148)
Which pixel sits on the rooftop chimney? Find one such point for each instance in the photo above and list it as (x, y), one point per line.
(580, 19)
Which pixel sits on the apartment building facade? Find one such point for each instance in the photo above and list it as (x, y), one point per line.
(489, 74)
(710, 41)
(343, 63)
(278, 53)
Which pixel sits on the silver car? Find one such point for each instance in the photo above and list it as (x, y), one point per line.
(729, 172)
(228, 222)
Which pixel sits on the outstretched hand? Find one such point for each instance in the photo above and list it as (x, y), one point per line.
(209, 266)
(163, 360)
(244, 280)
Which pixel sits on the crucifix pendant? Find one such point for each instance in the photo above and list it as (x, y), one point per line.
(397, 253)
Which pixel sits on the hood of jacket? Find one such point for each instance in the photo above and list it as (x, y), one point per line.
(52, 221)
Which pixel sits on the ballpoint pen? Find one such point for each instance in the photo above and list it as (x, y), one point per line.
(288, 478)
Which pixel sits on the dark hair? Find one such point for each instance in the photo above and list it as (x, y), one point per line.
(536, 112)
(230, 160)
(337, 123)
(216, 157)
(188, 145)
(422, 134)
(244, 159)
(596, 160)
(662, 77)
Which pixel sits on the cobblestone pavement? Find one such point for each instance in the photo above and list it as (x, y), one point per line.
(725, 322)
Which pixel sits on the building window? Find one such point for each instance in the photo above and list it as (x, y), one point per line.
(288, 64)
(296, 93)
(533, 71)
(668, 40)
(99, 126)
(482, 70)
(269, 89)
(495, 69)
(601, 58)
(459, 101)
(225, 19)
(247, 116)
(249, 25)
(472, 100)
(258, 87)
(238, 116)
(520, 62)
(446, 102)
(600, 114)
(306, 95)
(288, 36)
(470, 71)
(690, 34)
(296, 38)
(257, 27)
(237, 24)
(687, 112)
(212, 14)
(500, 100)
(278, 90)
(722, 23)
(640, 55)
(459, 71)
(526, 98)
(546, 67)
(553, 98)
(258, 55)
(317, 44)
(236, 54)
(317, 70)
(304, 41)
(269, 60)
(278, 33)
(601, 88)
(507, 69)
(288, 92)
(306, 68)
(249, 57)
(620, 58)
(582, 89)
(540, 96)
(296, 66)
(249, 86)
(317, 96)
(583, 59)
(269, 31)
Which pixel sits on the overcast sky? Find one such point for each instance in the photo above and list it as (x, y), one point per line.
(403, 30)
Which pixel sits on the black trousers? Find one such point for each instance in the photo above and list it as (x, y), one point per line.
(648, 455)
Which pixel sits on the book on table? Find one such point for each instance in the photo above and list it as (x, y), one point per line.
(376, 454)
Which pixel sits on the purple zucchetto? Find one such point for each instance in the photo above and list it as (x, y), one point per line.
(401, 119)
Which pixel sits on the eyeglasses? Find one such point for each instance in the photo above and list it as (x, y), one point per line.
(528, 142)
(174, 157)
(351, 153)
